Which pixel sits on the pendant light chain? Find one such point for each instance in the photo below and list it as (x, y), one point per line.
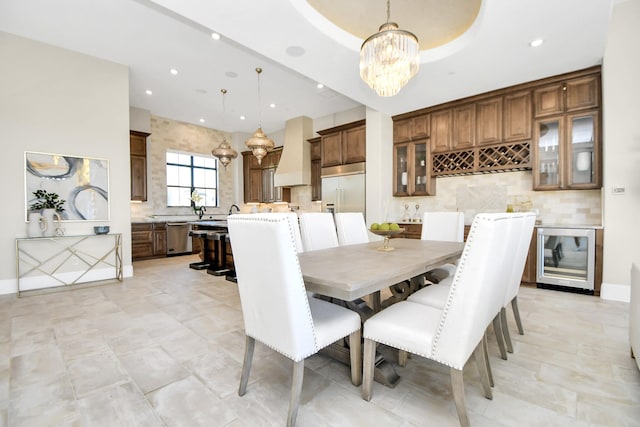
(259, 70)
(388, 10)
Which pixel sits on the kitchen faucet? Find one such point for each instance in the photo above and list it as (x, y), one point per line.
(231, 209)
(201, 210)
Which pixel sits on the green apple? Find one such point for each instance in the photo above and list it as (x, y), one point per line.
(384, 226)
(394, 226)
(375, 226)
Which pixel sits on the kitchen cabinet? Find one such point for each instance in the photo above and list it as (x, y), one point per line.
(343, 145)
(148, 240)
(441, 127)
(489, 121)
(411, 169)
(567, 152)
(412, 128)
(138, 164)
(464, 126)
(573, 94)
(258, 178)
(316, 169)
(517, 116)
(412, 230)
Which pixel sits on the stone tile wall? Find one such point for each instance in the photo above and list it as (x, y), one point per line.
(175, 135)
(492, 192)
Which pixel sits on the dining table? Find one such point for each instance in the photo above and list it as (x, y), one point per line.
(351, 272)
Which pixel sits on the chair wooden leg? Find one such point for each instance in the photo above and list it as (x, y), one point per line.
(369, 362)
(479, 356)
(457, 384)
(402, 358)
(505, 330)
(499, 337)
(246, 365)
(296, 389)
(516, 314)
(355, 354)
(485, 349)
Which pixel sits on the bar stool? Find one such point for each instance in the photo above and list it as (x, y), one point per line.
(219, 265)
(204, 264)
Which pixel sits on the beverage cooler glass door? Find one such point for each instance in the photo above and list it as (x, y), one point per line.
(566, 257)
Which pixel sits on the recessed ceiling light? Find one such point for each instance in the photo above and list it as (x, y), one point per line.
(215, 36)
(148, 92)
(319, 85)
(272, 105)
(201, 120)
(295, 51)
(242, 117)
(174, 71)
(536, 43)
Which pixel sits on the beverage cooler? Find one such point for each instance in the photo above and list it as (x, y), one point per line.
(566, 257)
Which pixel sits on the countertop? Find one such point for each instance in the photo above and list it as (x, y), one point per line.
(210, 223)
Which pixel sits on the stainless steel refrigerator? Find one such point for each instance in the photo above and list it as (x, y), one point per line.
(344, 190)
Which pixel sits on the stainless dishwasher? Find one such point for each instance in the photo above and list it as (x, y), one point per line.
(178, 239)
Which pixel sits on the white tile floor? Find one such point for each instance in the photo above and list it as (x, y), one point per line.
(165, 349)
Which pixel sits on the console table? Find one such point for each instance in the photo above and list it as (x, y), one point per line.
(47, 262)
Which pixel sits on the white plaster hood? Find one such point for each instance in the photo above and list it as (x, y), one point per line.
(295, 163)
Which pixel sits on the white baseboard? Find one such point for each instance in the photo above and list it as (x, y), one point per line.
(615, 292)
(10, 286)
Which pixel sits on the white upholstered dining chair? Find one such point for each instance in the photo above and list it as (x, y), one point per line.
(351, 228)
(318, 231)
(442, 226)
(513, 286)
(275, 306)
(436, 295)
(452, 334)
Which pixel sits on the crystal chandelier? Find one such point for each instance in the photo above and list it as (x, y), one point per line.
(389, 58)
(224, 152)
(259, 143)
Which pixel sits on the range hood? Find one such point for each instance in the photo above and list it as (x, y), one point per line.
(294, 167)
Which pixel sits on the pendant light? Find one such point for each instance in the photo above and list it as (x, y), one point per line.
(259, 143)
(224, 152)
(389, 58)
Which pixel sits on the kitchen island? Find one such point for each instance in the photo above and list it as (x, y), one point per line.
(211, 240)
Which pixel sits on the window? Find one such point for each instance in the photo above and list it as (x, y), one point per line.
(187, 173)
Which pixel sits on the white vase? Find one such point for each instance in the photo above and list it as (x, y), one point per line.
(52, 219)
(583, 162)
(37, 225)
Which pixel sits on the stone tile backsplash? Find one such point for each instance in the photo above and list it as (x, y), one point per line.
(492, 192)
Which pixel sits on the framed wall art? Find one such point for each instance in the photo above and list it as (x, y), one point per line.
(82, 182)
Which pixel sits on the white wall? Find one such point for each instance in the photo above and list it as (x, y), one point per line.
(56, 101)
(621, 135)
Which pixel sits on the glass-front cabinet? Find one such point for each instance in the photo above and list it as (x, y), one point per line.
(412, 175)
(567, 152)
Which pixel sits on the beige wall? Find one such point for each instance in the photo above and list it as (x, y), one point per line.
(56, 101)
(621, 92)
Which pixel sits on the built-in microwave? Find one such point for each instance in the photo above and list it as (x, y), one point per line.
(566, 257)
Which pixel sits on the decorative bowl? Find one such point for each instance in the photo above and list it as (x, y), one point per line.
(386, 234)
(101, 229)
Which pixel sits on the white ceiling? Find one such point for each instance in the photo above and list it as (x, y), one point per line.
(153, 36)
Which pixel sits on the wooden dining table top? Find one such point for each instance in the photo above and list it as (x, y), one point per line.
(354, 271)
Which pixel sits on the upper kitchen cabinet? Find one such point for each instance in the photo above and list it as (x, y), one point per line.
(489, 121)
(412, 128)
(517, 116)
(316, 169)
(258, 178)
(441, 131)
(343, 145)
(574, 94)
(567, 150)
(411, 169)
(138, 159)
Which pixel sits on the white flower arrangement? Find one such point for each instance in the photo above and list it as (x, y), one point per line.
(195, 198)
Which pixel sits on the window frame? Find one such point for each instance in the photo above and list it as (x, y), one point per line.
(192, 167)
